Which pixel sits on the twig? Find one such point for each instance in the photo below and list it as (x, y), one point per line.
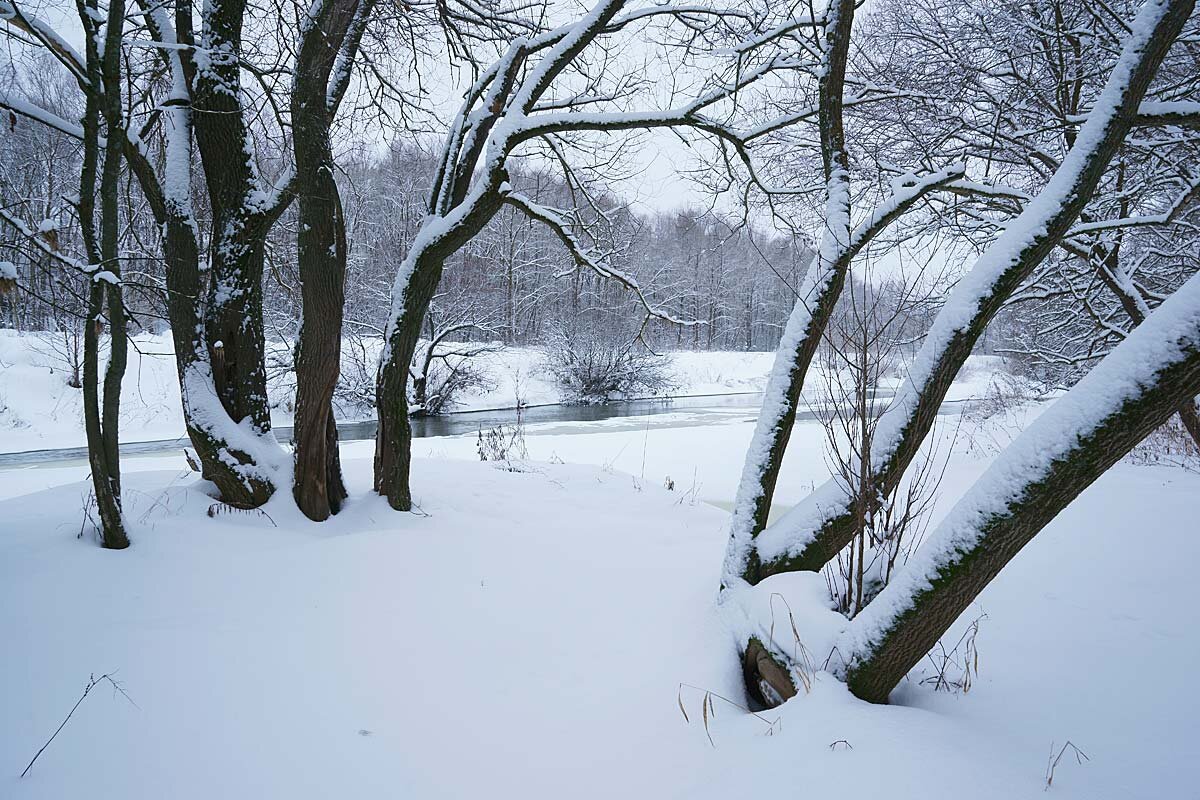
(1080, 757)
(93, 681)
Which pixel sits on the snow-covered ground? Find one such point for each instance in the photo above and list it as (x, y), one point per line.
(533, 633)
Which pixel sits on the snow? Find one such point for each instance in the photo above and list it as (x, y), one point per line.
(528, 632)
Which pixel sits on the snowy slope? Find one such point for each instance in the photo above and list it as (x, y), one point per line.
(527, 635)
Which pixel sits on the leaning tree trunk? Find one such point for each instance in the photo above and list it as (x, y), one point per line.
(1135, 389)
(815, 531)
(321, 244)
(393, 439)
(416, 283)
(840, 244)
(814, 306)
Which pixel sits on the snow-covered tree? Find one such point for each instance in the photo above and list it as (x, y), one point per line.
(815, 531)
(524, 99)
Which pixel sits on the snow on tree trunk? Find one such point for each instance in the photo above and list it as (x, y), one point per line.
(815, 531)
(818, 296)
(1133, 390)
(416, 284)
(221, 353)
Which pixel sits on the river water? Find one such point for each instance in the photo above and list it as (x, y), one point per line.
(675, 412)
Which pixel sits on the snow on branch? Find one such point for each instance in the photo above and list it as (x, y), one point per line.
(46, 36)
(1178, 205)
(39, 114)
(37, 240)
(1180, 114)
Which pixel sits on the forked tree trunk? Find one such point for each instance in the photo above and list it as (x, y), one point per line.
(101, 414)
(238, 460)
(221, 385)
(813, 533)
(818, 296)
(232, 323)
(1135, 389)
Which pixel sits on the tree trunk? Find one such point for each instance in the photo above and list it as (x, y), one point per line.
(102, 416)
(824, 523)
(331, 31)
(393, 439)
(318, 488)
(1134, 390)
(232, 312)
(414, 290)
(818, 295)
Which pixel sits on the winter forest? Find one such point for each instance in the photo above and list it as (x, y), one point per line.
(539, 398)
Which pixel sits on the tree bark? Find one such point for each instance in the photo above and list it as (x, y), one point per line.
(321, 244)
(393, 439)
(232, 320)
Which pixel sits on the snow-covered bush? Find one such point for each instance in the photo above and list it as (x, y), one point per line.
(62, 350)
(355, 389)
(438, 383)
(590, 366)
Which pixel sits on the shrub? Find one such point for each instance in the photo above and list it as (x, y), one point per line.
(590, 367)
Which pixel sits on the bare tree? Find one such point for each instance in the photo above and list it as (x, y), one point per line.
(216, 310)
(840, 242)
(330, 37)
(101, 136)
(508, 107)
